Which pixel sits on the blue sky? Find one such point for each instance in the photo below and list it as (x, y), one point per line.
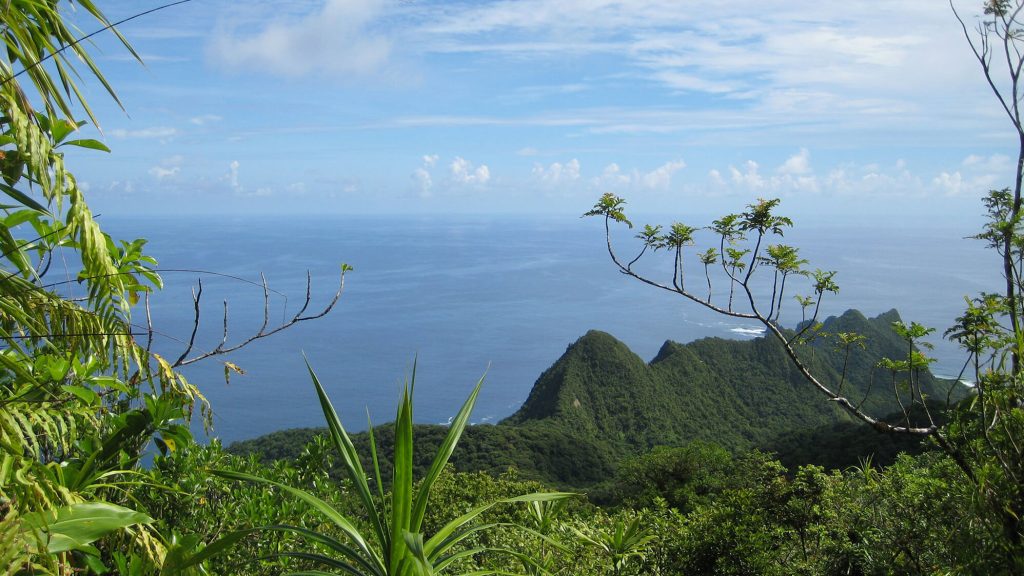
(847, 111)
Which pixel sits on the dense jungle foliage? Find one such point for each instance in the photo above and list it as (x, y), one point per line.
(664, 457)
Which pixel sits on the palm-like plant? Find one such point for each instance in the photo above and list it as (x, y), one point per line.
(621, 543)
(395, 544)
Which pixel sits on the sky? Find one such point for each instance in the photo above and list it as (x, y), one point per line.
(847, 111)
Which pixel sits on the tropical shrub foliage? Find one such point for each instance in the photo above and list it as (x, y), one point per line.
(82, 394)
(83, 397)
(80, 397)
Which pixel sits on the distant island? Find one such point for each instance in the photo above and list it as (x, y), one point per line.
(600, 403)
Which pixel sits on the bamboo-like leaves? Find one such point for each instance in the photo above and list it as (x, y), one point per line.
(76, 526)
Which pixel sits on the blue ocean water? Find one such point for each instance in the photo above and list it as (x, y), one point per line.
(469, 296)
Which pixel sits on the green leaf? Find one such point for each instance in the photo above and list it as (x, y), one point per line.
(319, 505)
(23, 198)
(401, 487)
(74, 527)
(89, 143)
(444, 454)
(178, 558)
(61, 128)
(352, 462)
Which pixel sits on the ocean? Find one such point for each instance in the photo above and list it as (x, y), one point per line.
(469, 297)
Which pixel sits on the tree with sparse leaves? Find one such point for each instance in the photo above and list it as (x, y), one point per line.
(985, 437)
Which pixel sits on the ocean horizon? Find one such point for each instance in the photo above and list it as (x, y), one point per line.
(467, 297)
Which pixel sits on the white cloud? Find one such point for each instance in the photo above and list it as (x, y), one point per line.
(612, 177)
(976, 175)
(749, 178)
(715, 177)
(558, 173)
(205, 119)
(159, 172)
(463, 172)
(168, 167)
(799, 163)
(996, 164)
(832, 67)
(794, 175)
(337, 40)
(234, 182)
(951, 184)
(162, 132)
(424, 181)
(232, 177)
(661, 177)
(843, 180)
(119, 187)
(423, 178)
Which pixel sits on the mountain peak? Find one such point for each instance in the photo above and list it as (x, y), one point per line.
(734, 392)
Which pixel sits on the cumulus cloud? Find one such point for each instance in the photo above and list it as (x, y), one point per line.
(799, 163)
(793, 175)
(613, 177)
(234, 182)
(337, 40)
(749, 177)
(661, 177)
(558, 173)
(976, 175)
(423, 180)
(951, 184)
(464, 172)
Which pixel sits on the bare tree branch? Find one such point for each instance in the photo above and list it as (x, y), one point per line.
(264, 331)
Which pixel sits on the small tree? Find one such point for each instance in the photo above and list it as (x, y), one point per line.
(986, 435)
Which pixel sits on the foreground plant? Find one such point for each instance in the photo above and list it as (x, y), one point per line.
(395, 544)
(620, 543)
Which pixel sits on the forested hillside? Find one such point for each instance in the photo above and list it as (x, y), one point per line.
(600, 403)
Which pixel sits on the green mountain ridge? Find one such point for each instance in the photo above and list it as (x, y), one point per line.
(738, 393)
(600, 403)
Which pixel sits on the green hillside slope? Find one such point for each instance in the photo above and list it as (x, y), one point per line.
(739, 394)
(600, 402)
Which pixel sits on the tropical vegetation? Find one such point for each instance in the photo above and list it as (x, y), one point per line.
(674, 464)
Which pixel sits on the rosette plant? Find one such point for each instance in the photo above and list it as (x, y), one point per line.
(395, 544)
